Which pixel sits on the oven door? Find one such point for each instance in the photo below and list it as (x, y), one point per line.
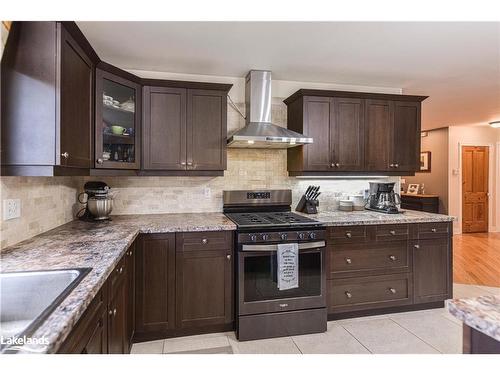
(258, 285)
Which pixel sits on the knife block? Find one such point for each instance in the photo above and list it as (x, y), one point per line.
(308, 206)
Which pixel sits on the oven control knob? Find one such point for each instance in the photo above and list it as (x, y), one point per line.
(312, 235)
(253, 237)
(302, 236)
(265, 237)
(283, 236)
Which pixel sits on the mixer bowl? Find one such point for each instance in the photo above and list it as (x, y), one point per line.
(100, 208)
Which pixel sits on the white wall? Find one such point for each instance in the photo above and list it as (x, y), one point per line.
(476, 136)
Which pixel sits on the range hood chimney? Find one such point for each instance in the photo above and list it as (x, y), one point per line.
(259, 132)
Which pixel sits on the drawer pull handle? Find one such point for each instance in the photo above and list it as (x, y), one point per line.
(204, 241)
(348, 234)
(393, 232)
(416, 246)
(393, 258)
(114, 312)
(392, 290)
(121, 270)
(348, 260)
(110, 312)
(348, 294)
(433, 230)
(228, 256)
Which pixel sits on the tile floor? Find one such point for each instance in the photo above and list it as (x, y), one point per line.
(428, 331)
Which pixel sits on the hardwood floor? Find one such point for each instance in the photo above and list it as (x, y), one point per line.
(476, 259)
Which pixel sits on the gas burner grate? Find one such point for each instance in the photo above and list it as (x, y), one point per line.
(268, 219)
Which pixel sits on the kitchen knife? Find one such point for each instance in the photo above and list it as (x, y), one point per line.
(308, 191)
(316, 195)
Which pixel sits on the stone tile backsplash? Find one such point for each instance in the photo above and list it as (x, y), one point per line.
(48, 202)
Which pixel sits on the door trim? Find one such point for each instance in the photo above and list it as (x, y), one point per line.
(491, 197)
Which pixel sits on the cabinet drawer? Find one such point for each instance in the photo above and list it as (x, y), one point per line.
(396, 232)
(350, 234)
(361, 293)
(432, 230)
(369, 258)
(196, 241)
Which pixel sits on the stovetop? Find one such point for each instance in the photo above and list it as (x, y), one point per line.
(270, 219)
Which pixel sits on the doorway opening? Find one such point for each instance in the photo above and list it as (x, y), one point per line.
(475, 180)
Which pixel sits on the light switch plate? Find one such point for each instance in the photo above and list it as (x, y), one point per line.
(207, 192)
(11, 209)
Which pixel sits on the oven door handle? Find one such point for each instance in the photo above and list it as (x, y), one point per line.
(274, 247)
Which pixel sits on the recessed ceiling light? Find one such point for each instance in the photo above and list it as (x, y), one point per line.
(495, 124)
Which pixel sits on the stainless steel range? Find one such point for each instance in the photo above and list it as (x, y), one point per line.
(264, 220)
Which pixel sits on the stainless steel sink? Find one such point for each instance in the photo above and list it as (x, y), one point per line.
(27, 298)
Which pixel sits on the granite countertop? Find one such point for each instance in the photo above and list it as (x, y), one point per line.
(366, 217)
(95, 245)
(481, 313)
(101, 245)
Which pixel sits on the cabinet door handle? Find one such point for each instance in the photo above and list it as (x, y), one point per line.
(348, 260)
(332, 165)
(337, 165)
(114, 312)
(391, 165)
(204, 241)
(396, 165)
(190, 163)
(110, 312)
(348, 234)
(393, 258)
(65, 155)
(392, 232)
(228, 256)
(129, 253)
(416, 246)
(433, 230)
(100, 161)
(392, 290)
(348, 294)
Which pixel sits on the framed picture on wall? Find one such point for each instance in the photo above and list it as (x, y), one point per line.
(413, 189)
(425, 161)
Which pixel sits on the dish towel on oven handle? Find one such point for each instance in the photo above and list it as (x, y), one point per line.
(288, 266)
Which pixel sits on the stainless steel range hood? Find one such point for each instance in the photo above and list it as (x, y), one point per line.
(259, 132)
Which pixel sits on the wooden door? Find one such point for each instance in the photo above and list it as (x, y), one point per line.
(155, 283)
(379, 119)
(206, 130)
(164, 135)
(347, 134)
(406, 136)
(117, 322)
(75, 104)
(431, 270)
(475, 171)
(317, 118)
(204, 288)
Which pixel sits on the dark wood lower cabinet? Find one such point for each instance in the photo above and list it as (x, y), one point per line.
(117, 319)
(476, 342)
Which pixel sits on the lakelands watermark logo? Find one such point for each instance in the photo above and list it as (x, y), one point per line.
(25, 343)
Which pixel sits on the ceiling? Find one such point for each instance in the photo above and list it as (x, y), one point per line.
(457, 64)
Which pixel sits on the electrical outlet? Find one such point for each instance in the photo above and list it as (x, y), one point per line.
(207, 192)
(11, 209)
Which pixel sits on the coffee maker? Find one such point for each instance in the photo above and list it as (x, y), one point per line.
(382, 198)
(98, 203)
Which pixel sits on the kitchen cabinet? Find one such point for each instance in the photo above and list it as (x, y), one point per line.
(117, 121)
(185, 130)
(432, 269)
(204, 279)
(47, 119)
(155, 284)
(117, 318)
(130, 296)
(354, 132)
(390, 267)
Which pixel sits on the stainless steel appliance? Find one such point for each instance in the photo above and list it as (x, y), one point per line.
(383, 198)
(98, 203)
(264, 220)
(259, 131)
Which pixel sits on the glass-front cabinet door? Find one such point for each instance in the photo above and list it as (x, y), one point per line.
(117, 126)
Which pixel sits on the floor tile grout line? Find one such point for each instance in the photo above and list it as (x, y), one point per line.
(418, 337)
(294, 343)
(355, 338)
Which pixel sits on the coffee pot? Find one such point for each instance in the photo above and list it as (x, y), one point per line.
(383, 198)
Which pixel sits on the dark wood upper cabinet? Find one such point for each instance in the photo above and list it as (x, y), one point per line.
(164, 128)
(204, 279)
(206, 130)
(184, 130)
(117, 121)
(354, 132)
(379, 123)
(46, 119)
(347, 134)
(155, 284)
